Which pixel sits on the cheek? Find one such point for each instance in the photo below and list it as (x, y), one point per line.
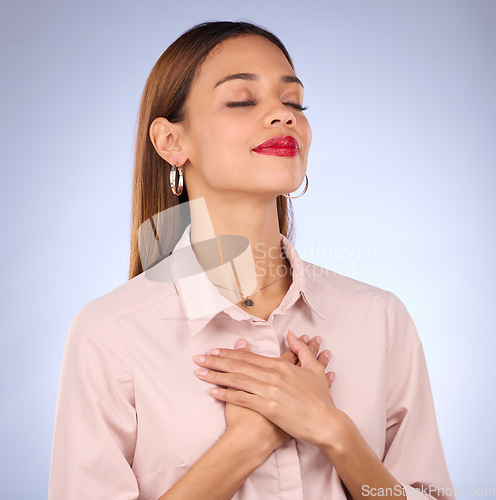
(235, 129)
(218, 152)
(228, 140)
(307, 132)
(219, 132)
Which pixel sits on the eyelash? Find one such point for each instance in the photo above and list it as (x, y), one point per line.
(250, 103)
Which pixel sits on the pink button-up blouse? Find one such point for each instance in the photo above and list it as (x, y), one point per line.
(132, 417)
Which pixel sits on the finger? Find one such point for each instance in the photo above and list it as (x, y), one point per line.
(301, 349)
(230, 372)
(239, 398)
(314, 345)
(239, 381)
(287, 355)
(229, 365)
(255, 359)
(290, 356)
(330, 376)
(239, 355)
(242, 344)
(324, 357)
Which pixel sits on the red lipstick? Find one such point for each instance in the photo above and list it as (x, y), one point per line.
(281, 145)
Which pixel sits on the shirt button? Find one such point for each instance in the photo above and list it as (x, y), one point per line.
(267, 341)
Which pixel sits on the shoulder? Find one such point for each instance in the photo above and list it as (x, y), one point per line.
(133, 297)
(358, 296)
(325, 282)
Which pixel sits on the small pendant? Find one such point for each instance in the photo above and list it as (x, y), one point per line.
(248, 303)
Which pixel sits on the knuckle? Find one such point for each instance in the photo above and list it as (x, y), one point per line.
(242, 398)
(274, 392)
(273, 377)
(272, 408)
(322, 360)
(225, 365)
(321, 369)
(210, 362)
(314, 347)
(221, 393)
(288, 356)
(230, 364)
(237, 378)
(283, 369)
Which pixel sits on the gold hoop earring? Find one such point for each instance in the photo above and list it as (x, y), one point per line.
(304, 191)
(173, 171)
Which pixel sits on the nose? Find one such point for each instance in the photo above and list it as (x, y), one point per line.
(280, 113)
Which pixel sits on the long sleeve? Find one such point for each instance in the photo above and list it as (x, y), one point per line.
(414, 453)
(95, 418)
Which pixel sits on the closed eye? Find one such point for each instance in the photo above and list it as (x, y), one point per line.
(252, 103)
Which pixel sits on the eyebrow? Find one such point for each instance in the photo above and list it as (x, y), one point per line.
(252, 76)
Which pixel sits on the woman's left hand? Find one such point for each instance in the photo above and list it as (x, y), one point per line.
(295, 398)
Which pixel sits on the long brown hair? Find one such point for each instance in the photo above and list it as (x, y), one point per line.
(164, 95)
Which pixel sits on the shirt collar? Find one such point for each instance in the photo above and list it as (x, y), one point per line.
(201, 299)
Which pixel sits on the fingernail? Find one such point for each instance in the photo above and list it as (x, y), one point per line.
(240, 344)
(291, 333)
(214, 352)
(199, 358)
(319, 340)
(306, 338)
(327, 354)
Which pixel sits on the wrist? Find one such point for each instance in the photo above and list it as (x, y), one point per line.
(255, 451)
(340, 432)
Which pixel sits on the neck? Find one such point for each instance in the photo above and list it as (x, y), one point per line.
(243, 264)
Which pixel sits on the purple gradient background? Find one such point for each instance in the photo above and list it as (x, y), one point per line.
(403, 113)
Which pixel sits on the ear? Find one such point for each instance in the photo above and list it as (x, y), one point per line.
(166, 139)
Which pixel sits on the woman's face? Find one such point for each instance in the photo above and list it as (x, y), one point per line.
(220, 138)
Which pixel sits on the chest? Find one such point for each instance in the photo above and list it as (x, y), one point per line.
(177, 421)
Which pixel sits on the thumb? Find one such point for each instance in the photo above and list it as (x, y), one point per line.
(242, 344)
(301, 349)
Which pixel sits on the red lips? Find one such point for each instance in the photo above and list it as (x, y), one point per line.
(281, 145)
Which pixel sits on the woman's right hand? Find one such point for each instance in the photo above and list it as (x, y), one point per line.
(254, 427)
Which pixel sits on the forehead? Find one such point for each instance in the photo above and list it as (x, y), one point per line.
(243, 54)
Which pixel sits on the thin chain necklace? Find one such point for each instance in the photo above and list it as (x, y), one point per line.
(248, 303)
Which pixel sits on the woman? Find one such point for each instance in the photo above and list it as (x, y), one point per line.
(222, 137)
